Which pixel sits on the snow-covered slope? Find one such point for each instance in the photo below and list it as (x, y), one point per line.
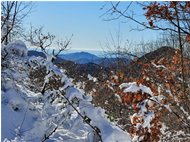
(64, 114)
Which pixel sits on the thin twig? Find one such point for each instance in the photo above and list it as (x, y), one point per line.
(47, 137)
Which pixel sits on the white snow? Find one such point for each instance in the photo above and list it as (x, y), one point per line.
(133, 87)
(30, 116)
(159, 66)
(49, 57)
(147, 119)
(118, 97)
(18, 48)
(92, 78)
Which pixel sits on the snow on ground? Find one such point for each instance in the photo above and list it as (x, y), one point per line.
(33, 116)
(92, 78)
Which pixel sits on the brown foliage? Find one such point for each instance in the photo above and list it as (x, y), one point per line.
(164, 72)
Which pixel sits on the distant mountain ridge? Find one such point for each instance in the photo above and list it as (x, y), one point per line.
(80, 57)
(36, 53)
(83, 58)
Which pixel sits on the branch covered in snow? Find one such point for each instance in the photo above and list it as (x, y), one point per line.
(86, 119)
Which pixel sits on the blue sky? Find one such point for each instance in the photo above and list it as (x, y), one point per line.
(82, 19)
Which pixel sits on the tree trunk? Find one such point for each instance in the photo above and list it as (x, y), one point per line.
(181, 52)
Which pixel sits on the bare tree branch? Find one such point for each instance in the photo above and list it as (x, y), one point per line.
(12, 15)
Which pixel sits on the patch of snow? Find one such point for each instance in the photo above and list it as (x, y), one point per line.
(147, 79)
(185, 112)
(150, 103)
(94, 90)
(106, 102)
(133, 87)
(179, 78)
(118, 97)
(159, 66)
(147, 120)
(159, 90)
(18, 48)
(92, 78)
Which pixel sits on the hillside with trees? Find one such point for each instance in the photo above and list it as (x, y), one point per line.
(125, 96)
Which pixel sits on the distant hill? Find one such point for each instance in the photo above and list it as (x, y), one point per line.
(81, 57)
(85, 58)
(36, 53)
